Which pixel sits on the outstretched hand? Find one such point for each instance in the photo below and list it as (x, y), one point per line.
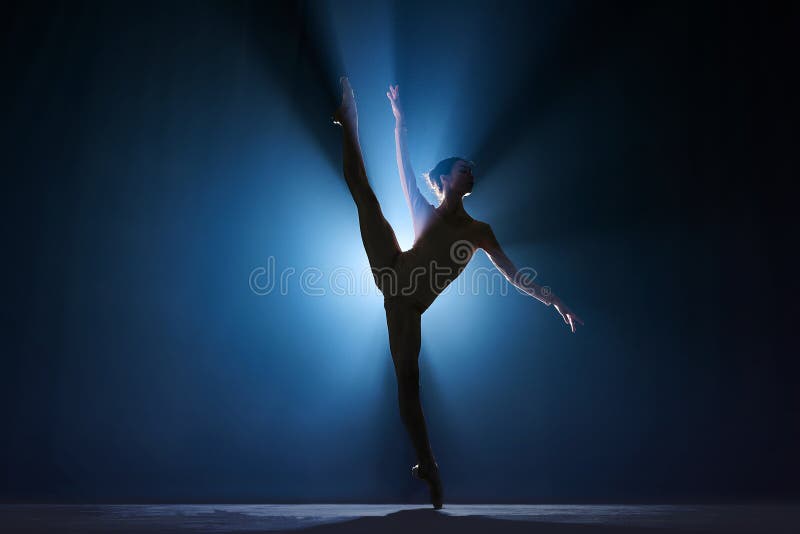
(568, 315)
(393, 94)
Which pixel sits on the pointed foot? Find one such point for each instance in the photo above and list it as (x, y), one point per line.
(431, 476)
(347, 114)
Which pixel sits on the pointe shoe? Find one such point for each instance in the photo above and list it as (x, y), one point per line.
(431, 476)
(346, 114)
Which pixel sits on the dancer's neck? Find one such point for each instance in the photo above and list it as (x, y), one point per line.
(452, 205)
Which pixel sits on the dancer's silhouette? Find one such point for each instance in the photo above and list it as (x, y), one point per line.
(445, 239)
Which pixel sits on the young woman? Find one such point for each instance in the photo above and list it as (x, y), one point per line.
(446, 237)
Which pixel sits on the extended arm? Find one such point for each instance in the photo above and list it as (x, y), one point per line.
(417, 203)
(521, 279)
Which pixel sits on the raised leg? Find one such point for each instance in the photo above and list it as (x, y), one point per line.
(377, 234)
(404, 341)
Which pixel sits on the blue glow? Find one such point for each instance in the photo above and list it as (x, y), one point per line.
(159, 155)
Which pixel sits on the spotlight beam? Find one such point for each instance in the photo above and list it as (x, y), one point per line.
(299, 49)
(543, 81)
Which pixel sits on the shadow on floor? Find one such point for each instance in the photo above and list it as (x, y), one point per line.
(427, 520)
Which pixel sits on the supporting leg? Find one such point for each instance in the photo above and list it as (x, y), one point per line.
(404, 340)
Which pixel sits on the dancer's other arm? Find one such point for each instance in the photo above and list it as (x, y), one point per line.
(522, 280)
(419, 206)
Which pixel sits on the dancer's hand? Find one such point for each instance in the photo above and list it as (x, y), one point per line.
(568, 315)
(393, 94)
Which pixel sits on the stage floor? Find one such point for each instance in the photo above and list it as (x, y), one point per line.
(341, 518)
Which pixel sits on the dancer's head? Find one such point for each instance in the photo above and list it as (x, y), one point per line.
(451, 176)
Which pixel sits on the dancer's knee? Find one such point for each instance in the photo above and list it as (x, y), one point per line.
(409, 404)
(366, 200)
(406, 368)
(407, 383)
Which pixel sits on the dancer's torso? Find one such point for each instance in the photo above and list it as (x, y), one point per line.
(440, 253)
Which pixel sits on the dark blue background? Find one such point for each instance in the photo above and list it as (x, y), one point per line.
(637, 155)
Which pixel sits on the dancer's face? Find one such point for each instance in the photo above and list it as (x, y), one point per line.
(460, 179)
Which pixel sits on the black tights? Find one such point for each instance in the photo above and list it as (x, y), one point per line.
(402, 319)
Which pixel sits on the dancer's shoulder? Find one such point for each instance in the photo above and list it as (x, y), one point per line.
(482, 233)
